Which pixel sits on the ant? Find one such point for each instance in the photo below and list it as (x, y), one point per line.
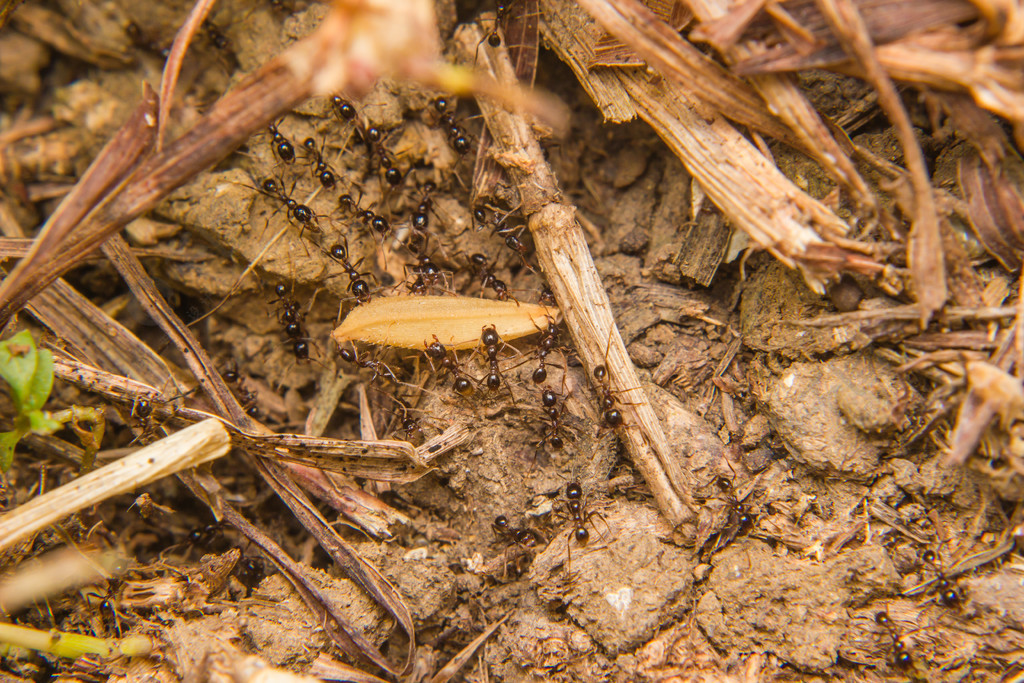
(547, 344)
(379, 156)
(356, 284)
(611, 416)
(490, 339)
(577, 514)
(457, 138)
(321, 171)
(380, 369)
(739, 519)
(343, 109)
(283, 148)
(289, 316)
(421, 217)
(487, 278)
(901, 657)
(514, 536)
(549, 399)
(302, 214)
(510, 234)
(948, 595)
(448, 362)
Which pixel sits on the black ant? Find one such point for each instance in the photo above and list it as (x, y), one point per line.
(549, 399)
(379, 156)
(343, 109)
(321, 171)
(901, 657)
(289, 316)
(380, 369)
(421, 217)
(739, 518)
(611, 416)
(547, 344)
(578, 516)
(490, 340)
(284, 149)
(487, 279)
(948, 595)
(302, 214)
(547, 298)
(457, 138)
(447, 362)
(356, 283)
(514, 536)
(511, 235)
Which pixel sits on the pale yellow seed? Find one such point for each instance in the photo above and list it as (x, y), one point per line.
(412, 322)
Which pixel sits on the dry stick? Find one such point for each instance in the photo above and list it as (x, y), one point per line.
(118, 157)
(276, 474)
(925, 243)
(569, 267)
(188, 448)
(172, 68)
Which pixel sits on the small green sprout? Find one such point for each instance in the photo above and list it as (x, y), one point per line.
(29, 373)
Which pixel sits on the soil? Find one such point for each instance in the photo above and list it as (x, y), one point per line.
(817, 492)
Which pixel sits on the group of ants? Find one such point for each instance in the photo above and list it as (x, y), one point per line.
(427, 277)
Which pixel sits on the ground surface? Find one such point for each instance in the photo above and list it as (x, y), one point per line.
(818, 497)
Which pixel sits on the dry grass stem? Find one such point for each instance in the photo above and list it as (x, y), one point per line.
(924, 250)
(569, 267)
(190, 447)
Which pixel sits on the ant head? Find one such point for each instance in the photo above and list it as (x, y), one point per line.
(573, 491)
(500, 522)
(436, 350)
(309, 144)
(600, 372)
(929, 557)
(269, 185)
(548, 398)
(440, 104)
(143, 408)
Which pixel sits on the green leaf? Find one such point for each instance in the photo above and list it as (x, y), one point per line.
(18, 360)
(42, 382)
(40, 422)
(8, 440)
